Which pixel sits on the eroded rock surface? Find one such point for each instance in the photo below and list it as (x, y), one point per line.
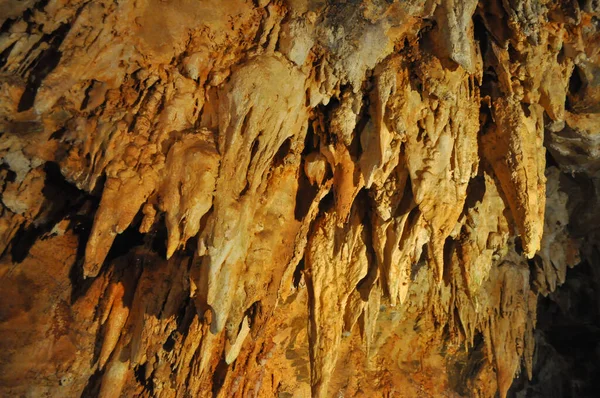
(292, 198)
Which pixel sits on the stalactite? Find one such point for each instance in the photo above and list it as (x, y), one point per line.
(290, 198)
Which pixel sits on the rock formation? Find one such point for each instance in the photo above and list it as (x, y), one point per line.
(294, 198)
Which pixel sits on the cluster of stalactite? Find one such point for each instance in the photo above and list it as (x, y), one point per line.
(288, 198)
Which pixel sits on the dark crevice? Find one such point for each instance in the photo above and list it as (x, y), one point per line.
(550, 161)
(467, 366)
(5, 54)
(58, 134)
(86, 97)
(298, 273)
(513, 54)
(416, 267)
(61, 200)
(219, 375)
(282, 152)
(365, 285)
(246, 188)
(157, 237)
(186, 317)
(449, 246)
(567, 340)
(24, 239)
(406, 203)
(7, 174)
(253, 152)
(253, 313)
(561, 58)
(326, 203)
(92, 388)
(124, 243)
(526, 110)
(310, 144)
(518, 246)
(305, 195)
(575, 86)
(137, 86)
(42, 66)
(7, 24)
(246, 122)
(81, 226)
(259, 32)
(475, 192)
(191, 245)
(140, 375)
(481, 34)
(363, 118)
(535, 268)
(254, 147)
(325, 113)
(169, 344)
(40, 5)
(489, 84)
(446, 336)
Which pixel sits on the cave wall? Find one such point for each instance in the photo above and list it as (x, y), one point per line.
(294, 198)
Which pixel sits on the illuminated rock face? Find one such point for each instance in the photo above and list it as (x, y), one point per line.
(290, 198)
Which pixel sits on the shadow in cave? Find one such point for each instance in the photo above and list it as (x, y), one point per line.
(566, 361)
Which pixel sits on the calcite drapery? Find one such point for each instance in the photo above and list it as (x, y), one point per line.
(288, 198)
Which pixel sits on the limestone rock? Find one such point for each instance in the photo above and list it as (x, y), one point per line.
(294, 198)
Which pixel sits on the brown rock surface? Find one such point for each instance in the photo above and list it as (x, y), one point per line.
(297, 198)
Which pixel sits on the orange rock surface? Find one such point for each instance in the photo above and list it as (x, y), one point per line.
(288, 198)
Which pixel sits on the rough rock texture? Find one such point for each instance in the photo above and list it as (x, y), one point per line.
(299, 198)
